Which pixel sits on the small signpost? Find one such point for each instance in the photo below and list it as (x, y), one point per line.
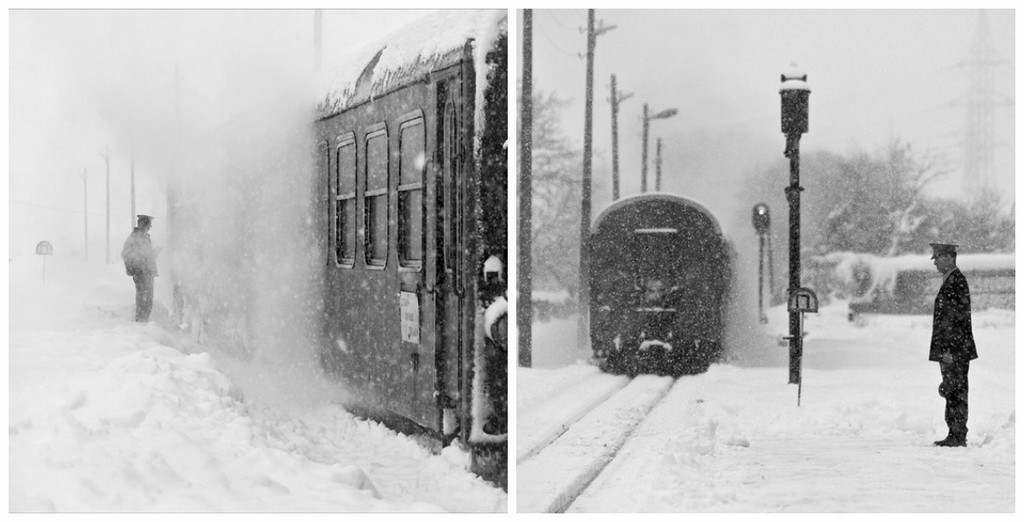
(44, 248)
(801, 300)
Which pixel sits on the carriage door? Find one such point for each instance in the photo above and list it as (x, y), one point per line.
(451, 244)
(416, 277)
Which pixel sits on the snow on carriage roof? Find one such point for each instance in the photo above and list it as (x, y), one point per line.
(434, 40)
(627, 200)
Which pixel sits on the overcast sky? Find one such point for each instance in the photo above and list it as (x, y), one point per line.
(874, 75)
(82, 80)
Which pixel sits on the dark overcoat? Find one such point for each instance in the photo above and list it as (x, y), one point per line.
(138, 254)
(951, 322)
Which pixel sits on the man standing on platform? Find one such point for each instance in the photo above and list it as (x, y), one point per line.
(952, 344)
(140, 263)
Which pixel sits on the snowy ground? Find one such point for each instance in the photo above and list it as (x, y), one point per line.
(107, 415)
(734, 439)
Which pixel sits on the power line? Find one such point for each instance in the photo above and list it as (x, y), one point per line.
(579, 27)
(554, 44)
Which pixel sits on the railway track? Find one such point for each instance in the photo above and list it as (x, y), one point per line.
(564, 448)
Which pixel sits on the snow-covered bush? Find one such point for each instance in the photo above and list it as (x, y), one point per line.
(862, 278)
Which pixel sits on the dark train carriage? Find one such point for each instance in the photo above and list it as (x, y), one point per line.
(660, 271)
(413, 207)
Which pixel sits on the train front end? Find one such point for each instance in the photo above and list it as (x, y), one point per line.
(659, 280)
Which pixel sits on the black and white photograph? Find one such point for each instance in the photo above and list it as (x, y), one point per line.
(765, 261)
(258, 260)
(706, 259)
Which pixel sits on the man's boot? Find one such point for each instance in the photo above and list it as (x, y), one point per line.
(952, 441)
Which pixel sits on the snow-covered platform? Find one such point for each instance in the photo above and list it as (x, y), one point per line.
(107, 415)
(735, 440)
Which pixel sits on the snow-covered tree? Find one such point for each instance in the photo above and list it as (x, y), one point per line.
(864, 202)
(557, 172)
(979, 226)
(873, 203)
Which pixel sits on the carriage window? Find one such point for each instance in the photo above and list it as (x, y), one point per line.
(410, 192)
(376, 195)
(345, 204)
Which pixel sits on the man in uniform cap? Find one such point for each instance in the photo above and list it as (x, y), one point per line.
(952, 344)
(140, 263)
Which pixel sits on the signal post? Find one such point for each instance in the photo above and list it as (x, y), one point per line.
(795, 93)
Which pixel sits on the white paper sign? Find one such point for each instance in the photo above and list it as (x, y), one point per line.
(410, 317)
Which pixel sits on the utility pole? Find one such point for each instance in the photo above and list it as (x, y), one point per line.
(524, 303)
(173, 200)
(106, 157)
(582, 330)
(131, 221)
(615, 100)
(85, 187)
(318, 38)
(657, 168)
(667, 113)
(643, 154)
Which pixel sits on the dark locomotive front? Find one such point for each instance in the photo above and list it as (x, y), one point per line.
(659, 279)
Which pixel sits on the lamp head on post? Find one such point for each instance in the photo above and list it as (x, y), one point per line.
(795, 93)
(761, 218)
(667, 113)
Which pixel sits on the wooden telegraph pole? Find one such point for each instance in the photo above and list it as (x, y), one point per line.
(85, 187)
(616, 99)
(657, 167)
(582, 330)
(131, 222)
(524, 303)
(106, 157)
